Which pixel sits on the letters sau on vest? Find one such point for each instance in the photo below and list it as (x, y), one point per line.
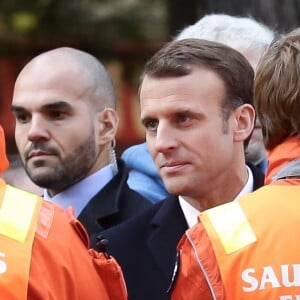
(255, 261)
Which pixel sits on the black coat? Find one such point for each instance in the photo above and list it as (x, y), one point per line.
(145, 246)
(113, 204)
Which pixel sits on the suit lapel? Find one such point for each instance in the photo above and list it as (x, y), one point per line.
(166, 228)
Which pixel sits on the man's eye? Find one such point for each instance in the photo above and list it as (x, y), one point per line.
(184, 119)
(57, 115)
(22, 118)
(151, 125)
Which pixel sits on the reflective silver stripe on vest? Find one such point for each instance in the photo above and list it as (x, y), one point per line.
(290, 170)
(202, 268)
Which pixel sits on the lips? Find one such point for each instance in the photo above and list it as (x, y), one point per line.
(37, 153)
(172, 164)
(172, 167)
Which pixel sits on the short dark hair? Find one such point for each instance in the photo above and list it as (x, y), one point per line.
(179, 58)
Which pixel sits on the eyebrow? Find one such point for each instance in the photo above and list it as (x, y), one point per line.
(175, 113)
(49, 106)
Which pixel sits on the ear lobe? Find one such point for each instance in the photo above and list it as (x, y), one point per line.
(244, 122)
(107, 125)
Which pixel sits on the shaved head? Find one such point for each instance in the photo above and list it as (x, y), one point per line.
(92, 75)
(64, 106)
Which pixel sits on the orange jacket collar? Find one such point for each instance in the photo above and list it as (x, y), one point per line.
(281, 155)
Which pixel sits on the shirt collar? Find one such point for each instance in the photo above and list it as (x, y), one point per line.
(191, 213)
(79, 194)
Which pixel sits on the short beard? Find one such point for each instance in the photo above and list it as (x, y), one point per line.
(70, 169)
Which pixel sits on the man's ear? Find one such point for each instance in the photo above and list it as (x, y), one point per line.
(106, 126)
(244, 122)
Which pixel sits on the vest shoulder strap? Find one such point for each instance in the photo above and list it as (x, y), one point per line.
(17, 212)
(229, 225)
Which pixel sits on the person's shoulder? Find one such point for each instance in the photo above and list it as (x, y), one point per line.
(55, 221)
(59, 235)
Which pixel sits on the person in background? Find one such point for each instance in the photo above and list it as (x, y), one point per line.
(249, 249)
(196, 106)
(243, 34)
(143, 176)
(66, 123)
(44, 251)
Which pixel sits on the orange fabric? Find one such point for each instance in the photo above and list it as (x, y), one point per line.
(15, 257)
(198, 276)
(257, 271)
(3, 159)
(266, 268)
(61, 267)
(69, 270)
(281, 155)
(111, 275)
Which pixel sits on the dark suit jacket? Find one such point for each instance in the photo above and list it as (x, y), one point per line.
(113, 204)
(145, 246)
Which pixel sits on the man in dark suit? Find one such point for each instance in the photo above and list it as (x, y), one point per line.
(196, 106)
(64, 105)
(145, 246)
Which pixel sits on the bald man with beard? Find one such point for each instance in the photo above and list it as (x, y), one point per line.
(66, 122)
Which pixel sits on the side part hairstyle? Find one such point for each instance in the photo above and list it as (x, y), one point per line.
(180, 58)
(277, 89)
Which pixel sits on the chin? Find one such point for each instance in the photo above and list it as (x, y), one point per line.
(40, 175)
(175, 189)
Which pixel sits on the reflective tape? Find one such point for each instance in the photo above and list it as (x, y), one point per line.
(231, 226)
(17, 212)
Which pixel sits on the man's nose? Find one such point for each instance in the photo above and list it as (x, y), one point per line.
(38, 129)
(166, 139)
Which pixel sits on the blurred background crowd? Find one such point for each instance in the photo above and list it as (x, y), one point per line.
(123, 34)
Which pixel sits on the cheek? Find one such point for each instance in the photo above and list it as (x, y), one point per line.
(69, 141)
(150, 141)
(215, 144)
(68, 144)
(20, 137)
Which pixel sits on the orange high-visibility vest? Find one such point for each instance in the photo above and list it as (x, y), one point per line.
(256, 247)
(44, 254)
(18, 218)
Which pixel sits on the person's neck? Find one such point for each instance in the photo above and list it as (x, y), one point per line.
(220, 194)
